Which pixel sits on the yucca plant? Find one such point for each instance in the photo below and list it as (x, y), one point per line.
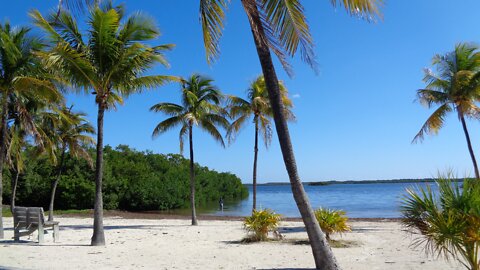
(260, 223)
(332, 221)
(447, 222)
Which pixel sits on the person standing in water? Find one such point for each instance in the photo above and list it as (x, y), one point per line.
(220, 203)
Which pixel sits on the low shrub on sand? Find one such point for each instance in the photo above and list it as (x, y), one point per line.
(332, 221)
(260, 223)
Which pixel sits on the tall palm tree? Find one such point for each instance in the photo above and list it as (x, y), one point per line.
(258, 106)
(110, 58)
(456, 87)
(20, 75)
(280, 26)
(200, 107)
(70, 131)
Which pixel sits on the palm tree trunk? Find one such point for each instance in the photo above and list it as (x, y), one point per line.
(98, 238)
(255, 156)
(322, 253)
(192, 178)
(3, 148)
(14, 190)
(469, 144)
(55, 184)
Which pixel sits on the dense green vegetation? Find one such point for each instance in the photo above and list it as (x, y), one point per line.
(134, 180)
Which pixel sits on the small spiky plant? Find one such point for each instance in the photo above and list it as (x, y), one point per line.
(332, 221)
(448, 222)
(260, 223)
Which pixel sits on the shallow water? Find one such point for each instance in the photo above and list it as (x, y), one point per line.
(358, 200)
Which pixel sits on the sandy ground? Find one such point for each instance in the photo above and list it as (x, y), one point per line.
(173, 244)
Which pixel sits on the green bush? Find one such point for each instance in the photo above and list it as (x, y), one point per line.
(447, 222)
(132, 180)
(260, 223)
(332, 221)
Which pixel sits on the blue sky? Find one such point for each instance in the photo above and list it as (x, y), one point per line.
(355, 119)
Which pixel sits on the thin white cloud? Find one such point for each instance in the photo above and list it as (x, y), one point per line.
(296, 96)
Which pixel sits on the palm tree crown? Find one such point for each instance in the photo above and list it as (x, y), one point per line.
(200, 107)
(257, 105)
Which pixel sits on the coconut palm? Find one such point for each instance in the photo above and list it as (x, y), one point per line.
(69, 131)
(257, 105)
(280, 26)
(16, 158)
(446, 222)
(200, 107)
(109, 60)
(20, 76)
(455, 88)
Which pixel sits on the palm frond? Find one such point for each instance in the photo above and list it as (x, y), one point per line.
(434, 123)
(366, 9)
(166, 125)
(212, 16)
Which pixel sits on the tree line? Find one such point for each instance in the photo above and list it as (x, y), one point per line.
(134, 181)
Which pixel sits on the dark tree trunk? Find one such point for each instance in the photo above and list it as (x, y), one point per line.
(3, 148)
(255, 156)
(14, 190)
(322, 253)
(55, 184)
(192, 178)
(469, 144)
(98, 238)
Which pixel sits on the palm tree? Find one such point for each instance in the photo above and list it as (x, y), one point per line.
(20, 75)
(258, 106)
(280, 26)
(446, 222)
(111, 61)
(200, 107)
(455, 88)
(16, 158)
(69, 131)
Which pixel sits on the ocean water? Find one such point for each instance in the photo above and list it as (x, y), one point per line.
(358, 200)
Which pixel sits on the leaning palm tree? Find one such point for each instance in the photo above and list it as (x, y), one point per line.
(200, 107)
(257, 105)
(109, 60)
(20, 76)
(280, 26)
(70, 131)
(446, 222)
(456, 87)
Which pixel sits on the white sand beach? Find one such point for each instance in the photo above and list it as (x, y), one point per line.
(214, 244)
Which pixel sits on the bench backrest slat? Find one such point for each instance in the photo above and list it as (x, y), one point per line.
(25, 217)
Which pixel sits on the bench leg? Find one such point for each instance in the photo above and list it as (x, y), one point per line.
(41, 233)
(55, 233)
(16, 235)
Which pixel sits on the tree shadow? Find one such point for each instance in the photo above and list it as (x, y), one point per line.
(119, 227)
(36, 244)
(286, 268)
(291, 229)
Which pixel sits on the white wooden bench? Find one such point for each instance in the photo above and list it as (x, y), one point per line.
(27, 220)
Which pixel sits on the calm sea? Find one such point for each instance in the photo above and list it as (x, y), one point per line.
(358, 200)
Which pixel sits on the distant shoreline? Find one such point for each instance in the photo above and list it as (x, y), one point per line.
(343, 182)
